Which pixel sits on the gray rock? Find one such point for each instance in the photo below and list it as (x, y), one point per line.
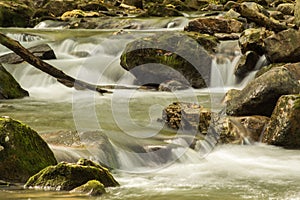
(9, 87)
(246, 64)
(259, 97)
(42, 51)
(163, 57)
(284, 127)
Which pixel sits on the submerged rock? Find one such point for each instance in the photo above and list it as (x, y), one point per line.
(9, 88)
(23, 151)
(283, 46)
(259, 97)
(239, 130)
(67, 176)
(284, 128)
(92, 188)
(163, 57)
(42, 51)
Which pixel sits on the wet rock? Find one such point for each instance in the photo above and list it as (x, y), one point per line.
(172, 85)
(253, 40)
(196, 4)
(136, 3)
(246, 64)
(178, 5)
(187, 117)
(14, 14)
(284, 128)
(283, 46)
(92, 188)
(211, 25)
(42, 51)
(163, 57)
(256, 13)
(92, 6)
(286, 8)
(9, 88)
(239, 130)
(277, 15)
(67, 176)
(57, 7)
(259, 97)
(267, 68)
(23, 151)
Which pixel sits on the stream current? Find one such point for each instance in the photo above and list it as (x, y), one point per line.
(128, 119)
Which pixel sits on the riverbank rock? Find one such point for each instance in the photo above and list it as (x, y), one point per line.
(13, 14)
(92, 188)
(239, 130)
(286, 8)
(42, 51)
(283, 46)
(163, 57)
(259, 97)
(67, 176)
(23, 152)
(284, 128)
(9, 88)
(253, 40)
(161, 10)
(256, 13)
(212, 25)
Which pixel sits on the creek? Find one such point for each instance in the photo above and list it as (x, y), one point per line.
(127, 121)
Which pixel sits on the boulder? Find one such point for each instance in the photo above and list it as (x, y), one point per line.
(253, 40)
(163, 57)
(9, 88)
(23, 152)
(259, 97)
(78, 14)
(92, 188)
(43, 51)
(239, 130)
(283, 46)
(67, 176)
(286, 8)
(212, 25)
(284, 128)
(254, 12)
(14, 14)
(246, 64)
(209, 42)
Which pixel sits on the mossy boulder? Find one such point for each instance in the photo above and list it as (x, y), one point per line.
(92, 188)
(284, 128)
(162, 57)
(9, 87)
(23, 152)
(259, 97)
(14, 14)
(67, 176)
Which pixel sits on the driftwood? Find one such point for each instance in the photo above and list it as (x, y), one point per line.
(47, 68)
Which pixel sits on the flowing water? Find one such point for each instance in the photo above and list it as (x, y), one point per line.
(121, 129)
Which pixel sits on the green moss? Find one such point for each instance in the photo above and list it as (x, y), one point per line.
(67, 176)
(24, 154)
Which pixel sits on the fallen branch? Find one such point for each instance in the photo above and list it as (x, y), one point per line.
(47, 68)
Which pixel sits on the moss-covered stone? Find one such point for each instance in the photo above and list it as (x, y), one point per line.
(9, 88)
(163, 57)
(67, 176)
(23, 151)
(92, 188)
